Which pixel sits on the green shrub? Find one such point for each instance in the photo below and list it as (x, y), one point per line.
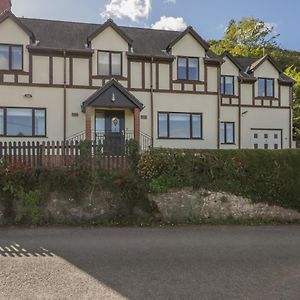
(272, 177)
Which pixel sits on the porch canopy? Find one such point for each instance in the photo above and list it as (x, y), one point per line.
(112, 95)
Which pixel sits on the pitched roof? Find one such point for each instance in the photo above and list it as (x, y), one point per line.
(74, 35)
(113, 94)
(8, 14)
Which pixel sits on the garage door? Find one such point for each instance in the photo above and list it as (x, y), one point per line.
(266, 138)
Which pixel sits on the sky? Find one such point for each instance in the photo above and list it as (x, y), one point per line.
(208, 17)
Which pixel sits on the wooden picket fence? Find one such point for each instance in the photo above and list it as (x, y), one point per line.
(60, 154)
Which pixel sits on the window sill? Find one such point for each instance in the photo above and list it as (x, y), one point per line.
(181, 139)
(119, 77)
(265, 98)
(188, 81)
(18, 72)
(231, 144)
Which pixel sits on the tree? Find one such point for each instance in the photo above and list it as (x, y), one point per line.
(293, 73)
(246, 37)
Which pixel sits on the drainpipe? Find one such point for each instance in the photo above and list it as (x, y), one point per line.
(151, 100)
(65, 96)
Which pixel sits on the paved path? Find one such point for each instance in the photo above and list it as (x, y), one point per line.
(134, 263)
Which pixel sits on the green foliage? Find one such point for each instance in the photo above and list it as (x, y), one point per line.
(246, 37)
(293, 73)
(133, 152)
(263, 176)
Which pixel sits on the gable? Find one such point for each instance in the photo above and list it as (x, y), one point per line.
(229, 68)
(12, 33)
(188, 46)
(266, 69)
(109, 39)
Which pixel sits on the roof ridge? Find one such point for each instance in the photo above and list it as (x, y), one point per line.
(96, 24)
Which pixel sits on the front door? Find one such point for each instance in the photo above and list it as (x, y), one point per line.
(114, 143)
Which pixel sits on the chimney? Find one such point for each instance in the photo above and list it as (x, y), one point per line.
(5, 5)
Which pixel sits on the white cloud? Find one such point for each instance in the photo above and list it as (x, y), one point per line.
(132, 9)
(170, 1)
(170, 23)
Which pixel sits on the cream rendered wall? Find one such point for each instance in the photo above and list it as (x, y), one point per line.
(145, 98)
(267, 118)
(212, 79)
(205, 104)
(147, 75)
(11, 33)
(164, 76)
(58, 70)
(109, 40)
(231, 114)
(49, 98)
(40, 69)
(285, 95)
(267, 70)
(188, 46)
(81, 74)
(136, 74)
(246, 94)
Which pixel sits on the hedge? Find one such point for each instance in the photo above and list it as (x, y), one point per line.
(271, 177)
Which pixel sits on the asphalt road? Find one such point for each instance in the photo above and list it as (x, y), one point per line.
(151, 263)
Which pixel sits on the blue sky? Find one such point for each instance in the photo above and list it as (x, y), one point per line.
(208, 17)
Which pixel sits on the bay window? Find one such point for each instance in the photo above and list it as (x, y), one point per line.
(188, 68)
(11, 57)
(265, 87)
(23, 122)
(180, 125)
(109, 63)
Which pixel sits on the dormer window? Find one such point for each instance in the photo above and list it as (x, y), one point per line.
(11, 57)
(109, 63)
(265, 87)
(188, 68)
(227, 85)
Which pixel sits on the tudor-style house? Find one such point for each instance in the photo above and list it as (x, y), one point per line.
(65, 80)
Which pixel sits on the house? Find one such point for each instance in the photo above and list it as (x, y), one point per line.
(65, 80)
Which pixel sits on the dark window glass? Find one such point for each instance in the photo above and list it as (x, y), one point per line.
(116, 64)
(255, 135)
(276, 146)
(4, 57)
(17, 58)
(19, 122)
(275, 136)
(261, 88)
(1, 121)
(180, 125)
(163, 125)
(182, 68)
(266, 146)
(227, 132)
(193, 69)
(227, 85)
(266, 136)
(196, 126)
(39, 122)
(255, 146)
(270, 88)
(265, 87)
(103, 63)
